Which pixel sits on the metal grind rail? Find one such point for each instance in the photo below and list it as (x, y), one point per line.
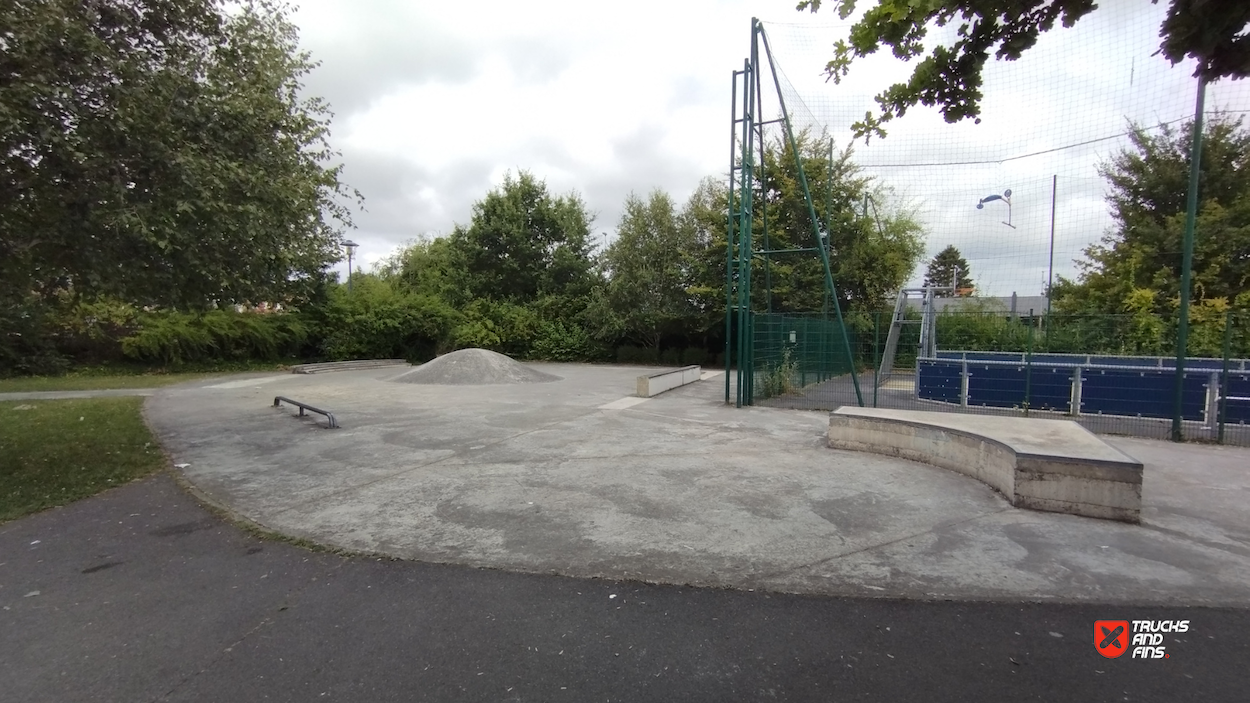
(279, 400)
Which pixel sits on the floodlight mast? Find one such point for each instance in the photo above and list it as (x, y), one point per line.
(739, 254)
(1005, 197)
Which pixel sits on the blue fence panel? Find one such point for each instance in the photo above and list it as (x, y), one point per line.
(1237, 411)
(1004, 387)
(1206, 364)
(1073, 359)
(1141, 393)
(1125, 361)
(995, 386)
(1051, 389)
(939, 380)
(996, 356)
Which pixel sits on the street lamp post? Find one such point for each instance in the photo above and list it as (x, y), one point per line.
(350, 246)
(1005, 197)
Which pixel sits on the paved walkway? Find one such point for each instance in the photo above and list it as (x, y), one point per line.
(566, 478)
(139, 595)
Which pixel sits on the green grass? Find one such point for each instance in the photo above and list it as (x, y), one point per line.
(109, 377)
(53, 452)
(91, 382)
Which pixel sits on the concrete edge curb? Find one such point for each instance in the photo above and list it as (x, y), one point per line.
(1103, 489)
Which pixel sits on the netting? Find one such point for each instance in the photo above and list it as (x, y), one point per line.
(794, 351)
(1048, 121)
(1112, 373)
(1021, 195)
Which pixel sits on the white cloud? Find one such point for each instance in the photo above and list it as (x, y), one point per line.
(435, 102)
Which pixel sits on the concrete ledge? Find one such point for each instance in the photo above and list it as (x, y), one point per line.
(358, 364)
(1051, 465)
(657, 383)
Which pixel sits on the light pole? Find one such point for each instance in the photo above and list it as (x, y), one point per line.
(350, 246)
(1005, 197)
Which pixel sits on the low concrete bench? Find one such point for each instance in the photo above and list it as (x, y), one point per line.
(656, 383)
(1052, 465)
(356, 365)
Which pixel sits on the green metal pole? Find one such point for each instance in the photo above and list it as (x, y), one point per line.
(876, 355)
(1187, 260)
(744, 222)
(828, 243)
(1228, 341)
(811, 210)
(1028, 368)
(768, 257)
(729, 236)
(748, 397)
(1050, 271)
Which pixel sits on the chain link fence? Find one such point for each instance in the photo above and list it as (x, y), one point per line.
(1114, 374)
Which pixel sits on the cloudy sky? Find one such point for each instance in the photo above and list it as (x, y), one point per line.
(435, 102)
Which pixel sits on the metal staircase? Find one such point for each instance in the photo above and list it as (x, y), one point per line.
(927, 322)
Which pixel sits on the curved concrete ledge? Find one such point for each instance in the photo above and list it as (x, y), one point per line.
(1052, 465)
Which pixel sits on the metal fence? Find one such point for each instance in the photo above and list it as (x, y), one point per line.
(792, 352)
(1114, 374)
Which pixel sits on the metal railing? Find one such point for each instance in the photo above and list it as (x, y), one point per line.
(279, 400)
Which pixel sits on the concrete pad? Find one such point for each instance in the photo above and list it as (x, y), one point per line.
(678, 489)
(1052, 465)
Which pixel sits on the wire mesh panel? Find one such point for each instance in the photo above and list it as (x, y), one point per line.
(1051, 273)
(993, 363)
(797, 353)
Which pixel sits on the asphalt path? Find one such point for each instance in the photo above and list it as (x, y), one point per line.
(139, 594)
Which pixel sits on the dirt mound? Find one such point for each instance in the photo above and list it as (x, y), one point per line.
(474, 367)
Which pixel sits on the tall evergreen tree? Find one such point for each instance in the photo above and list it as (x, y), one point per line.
(947, 267)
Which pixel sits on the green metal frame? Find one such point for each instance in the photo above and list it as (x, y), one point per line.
(1187, 258)
(740, 240)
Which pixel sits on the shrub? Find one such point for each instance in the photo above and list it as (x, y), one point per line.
(558, 341)
(499, 326)
(629, 354)
(177, 338)
(26, 343)
(694, 355)
(376, 320)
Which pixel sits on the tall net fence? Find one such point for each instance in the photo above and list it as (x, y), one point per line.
(1022, 196)
(794, 352)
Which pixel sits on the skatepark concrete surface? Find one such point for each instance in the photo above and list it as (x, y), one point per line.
(576, 477)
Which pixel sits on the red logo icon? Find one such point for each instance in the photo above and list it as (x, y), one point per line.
(1111, 637)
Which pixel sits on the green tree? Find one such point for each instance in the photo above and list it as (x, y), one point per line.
(380, 318)
(873, 246)
(949, 266)
(524, 243)
(648, 271)
(1212, 32)
(1147, 184)
(704, 219)
(159, 152)
(428, 267)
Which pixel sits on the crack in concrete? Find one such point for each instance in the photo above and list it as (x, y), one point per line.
(871, 547)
